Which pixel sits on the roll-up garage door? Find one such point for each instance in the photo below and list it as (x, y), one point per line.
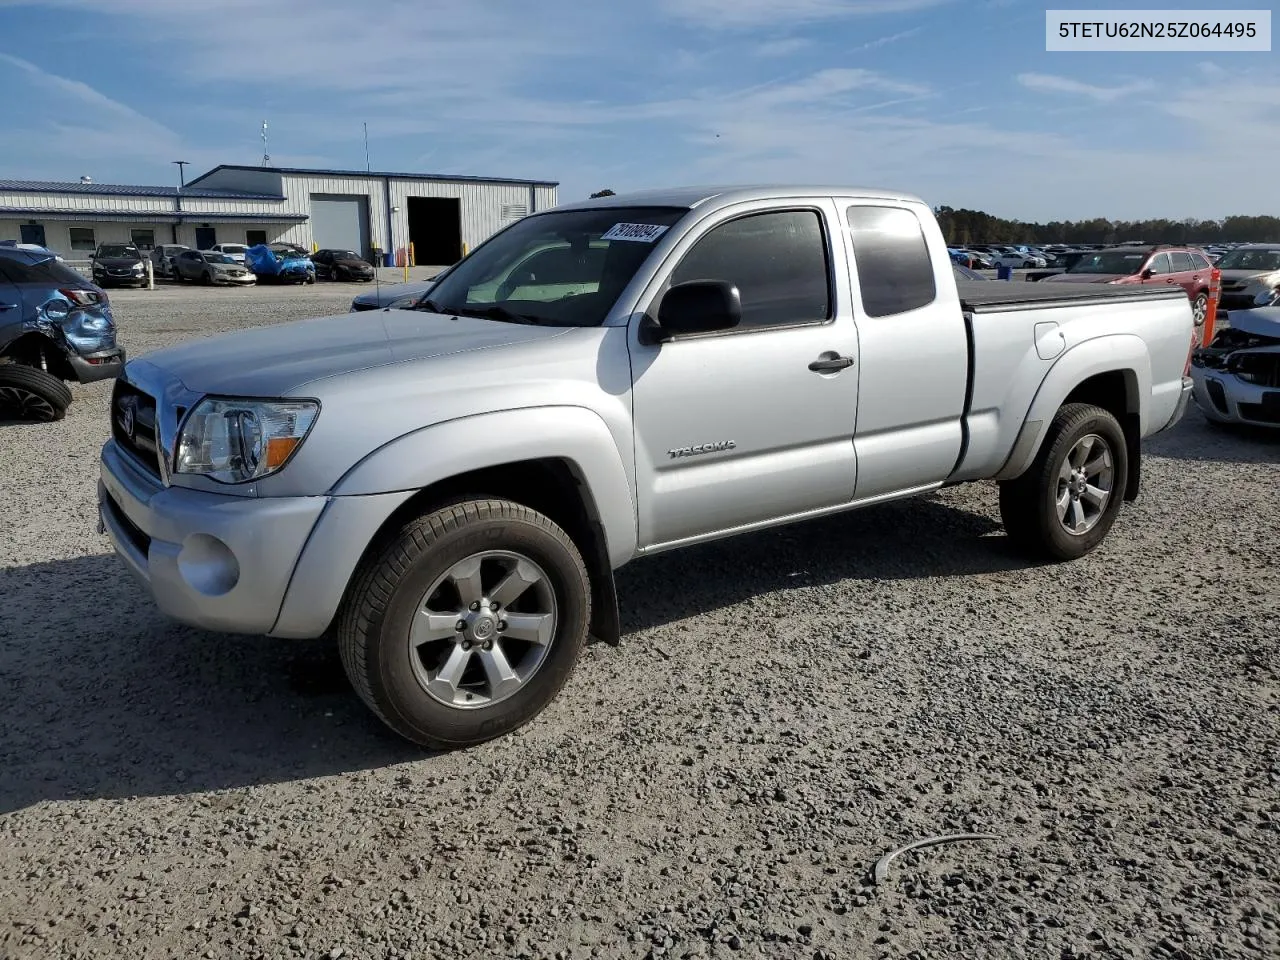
(340, 222)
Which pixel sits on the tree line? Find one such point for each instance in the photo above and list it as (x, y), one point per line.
(974, 226)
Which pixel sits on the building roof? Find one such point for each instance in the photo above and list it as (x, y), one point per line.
(149, 216)
(445, 178)
(124, 190)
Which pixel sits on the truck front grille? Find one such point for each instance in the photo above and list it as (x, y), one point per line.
(133, 425)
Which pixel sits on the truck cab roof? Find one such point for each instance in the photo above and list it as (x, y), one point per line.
(720, 196)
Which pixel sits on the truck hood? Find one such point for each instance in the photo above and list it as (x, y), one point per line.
(1084, 277)
(277, 360)
(1260, 322)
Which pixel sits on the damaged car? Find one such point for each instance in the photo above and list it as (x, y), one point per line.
(1236, 378)
(55, 326)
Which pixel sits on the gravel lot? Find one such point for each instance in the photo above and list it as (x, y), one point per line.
(785, 708)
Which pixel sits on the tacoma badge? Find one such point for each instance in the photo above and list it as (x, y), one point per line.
(700, 448)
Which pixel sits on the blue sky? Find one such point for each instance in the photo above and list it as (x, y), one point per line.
(953, 100)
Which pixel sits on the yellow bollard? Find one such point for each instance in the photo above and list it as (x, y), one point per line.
(412, 263)
(465, 249)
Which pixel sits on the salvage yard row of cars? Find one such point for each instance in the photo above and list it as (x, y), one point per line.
(229, 264)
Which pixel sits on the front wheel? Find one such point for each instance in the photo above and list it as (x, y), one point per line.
(467, 624)
(1066, 502)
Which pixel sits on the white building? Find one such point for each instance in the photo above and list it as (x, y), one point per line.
(348, 209)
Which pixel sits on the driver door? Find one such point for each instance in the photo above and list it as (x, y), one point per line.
(749, 425)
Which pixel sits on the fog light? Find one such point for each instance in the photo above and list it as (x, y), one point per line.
(208, 565)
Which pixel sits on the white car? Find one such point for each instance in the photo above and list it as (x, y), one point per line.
(233, 250)
(1019, 260)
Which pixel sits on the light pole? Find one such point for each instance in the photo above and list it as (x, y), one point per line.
(182, 172)
(177, 201)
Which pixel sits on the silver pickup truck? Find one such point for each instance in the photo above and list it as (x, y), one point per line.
(448, 489)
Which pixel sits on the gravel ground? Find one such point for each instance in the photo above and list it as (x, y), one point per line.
(785, 708)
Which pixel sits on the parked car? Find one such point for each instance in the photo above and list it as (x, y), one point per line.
(393, 295)
(233, 250)
(1183, 267)
(964, 273)
(461, 542)
(35, 247)
(162, 257)
(118, 264)
(342, 265)
(55, 326)
(1249, 272)
(1019, 260)
(206, 266)
(280, 263)
(1237, 377)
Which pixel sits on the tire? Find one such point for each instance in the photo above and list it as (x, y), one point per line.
(428, 566)
(206, 278)
(1200, 308)
(30, 394)
(1030, 504)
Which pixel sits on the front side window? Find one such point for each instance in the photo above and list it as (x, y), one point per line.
(777, 260)
(558, 268)
(82, 238)
(1160, 265)
(895, 271)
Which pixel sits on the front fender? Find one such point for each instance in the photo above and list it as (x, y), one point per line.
(574, 434)
(1123, 352)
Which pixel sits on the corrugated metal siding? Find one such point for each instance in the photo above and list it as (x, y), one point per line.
(298, 190)
(250, 207)
(483, 207)
(547, 197)
(73, 201)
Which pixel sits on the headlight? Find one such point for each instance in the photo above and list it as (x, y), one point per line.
(137, 268)
(235, 441)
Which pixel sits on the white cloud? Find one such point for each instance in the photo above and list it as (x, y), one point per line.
(891, 38)
(757, 13)
(1048, 83)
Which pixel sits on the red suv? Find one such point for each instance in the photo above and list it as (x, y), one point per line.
(1149, 266)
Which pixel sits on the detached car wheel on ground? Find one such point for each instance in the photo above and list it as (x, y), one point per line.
(30, 394)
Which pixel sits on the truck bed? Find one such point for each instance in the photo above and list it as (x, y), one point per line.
(992, 296)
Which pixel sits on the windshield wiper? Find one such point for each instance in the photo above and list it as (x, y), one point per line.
(495, 312)
(430, 305)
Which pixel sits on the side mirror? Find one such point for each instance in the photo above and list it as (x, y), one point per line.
(699, 306)
(1147, 273)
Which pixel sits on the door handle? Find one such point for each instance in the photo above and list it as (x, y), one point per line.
(7, 306)
(830, 364)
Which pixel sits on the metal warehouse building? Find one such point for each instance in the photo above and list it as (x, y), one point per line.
(375, 213)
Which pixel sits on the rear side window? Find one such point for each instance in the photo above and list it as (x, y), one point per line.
(49, 273)
(1198, 262)
(894, 268)
(777, 260)
(1182, 262)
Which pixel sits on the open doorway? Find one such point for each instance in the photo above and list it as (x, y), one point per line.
(435, 230)
(206, 237)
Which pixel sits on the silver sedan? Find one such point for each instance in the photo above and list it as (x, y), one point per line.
(209, 266)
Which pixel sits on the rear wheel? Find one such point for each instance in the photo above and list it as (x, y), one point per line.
(30, 394)
(1067, 501)
(467, 624)
(1200, 308)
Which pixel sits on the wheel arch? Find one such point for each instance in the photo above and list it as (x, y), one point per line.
(39, 350)
(1112, 372)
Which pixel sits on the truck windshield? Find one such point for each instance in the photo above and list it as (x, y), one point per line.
(558, 269)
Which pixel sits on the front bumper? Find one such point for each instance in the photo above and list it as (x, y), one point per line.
(209, 560)
(1224, 398)
(244, 281)
(268, 565)
(103, 365)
